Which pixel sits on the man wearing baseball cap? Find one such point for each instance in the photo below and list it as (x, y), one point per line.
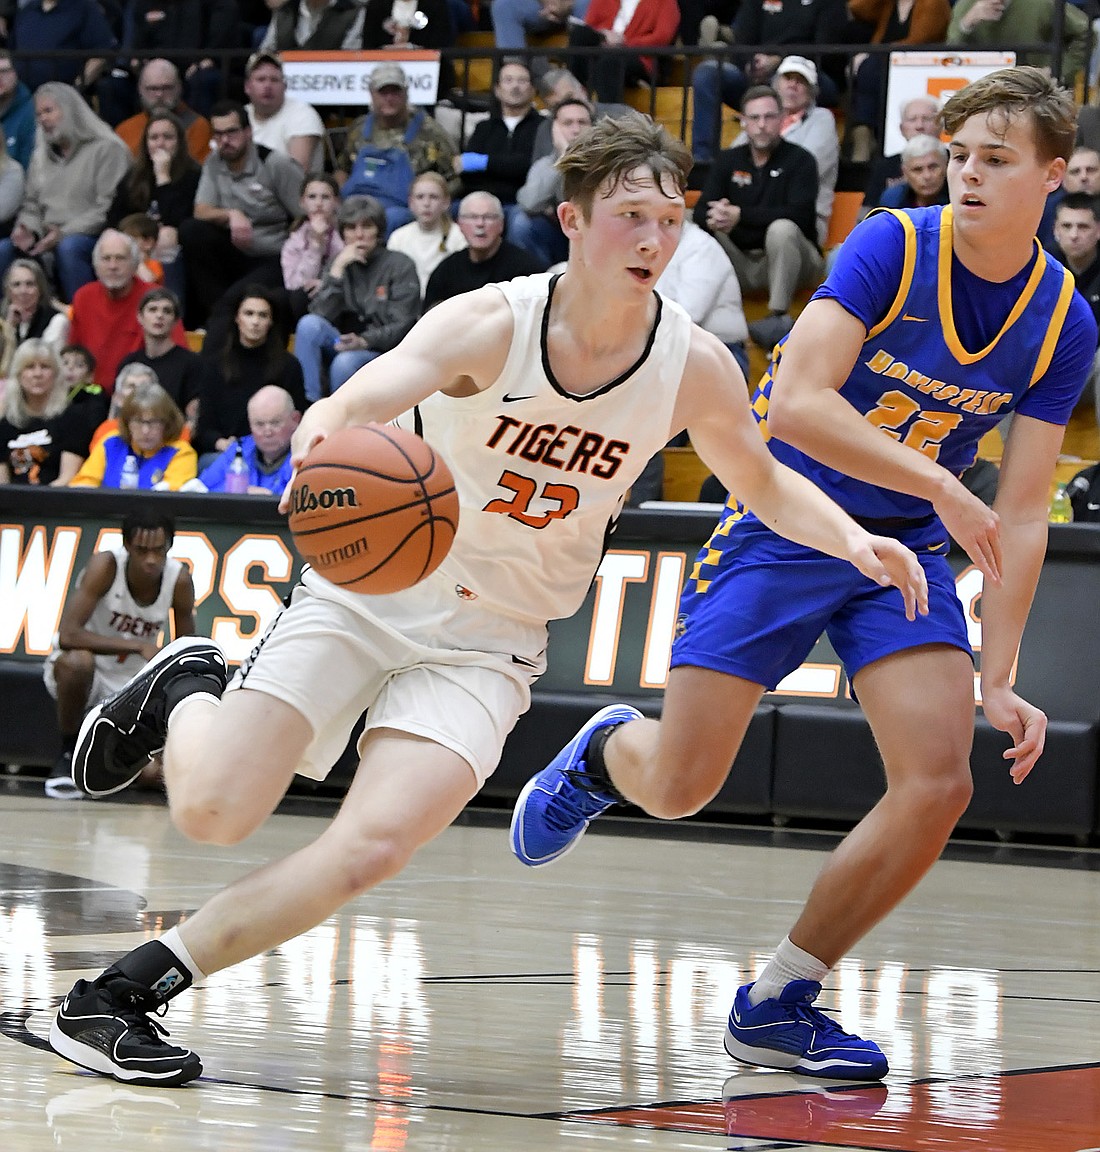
(280, 122)
(387, 149)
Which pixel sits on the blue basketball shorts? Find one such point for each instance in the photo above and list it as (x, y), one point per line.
(759, 603)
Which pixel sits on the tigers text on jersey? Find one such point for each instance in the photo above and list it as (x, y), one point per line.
(931, 378)
(119, 614)
(541, 474)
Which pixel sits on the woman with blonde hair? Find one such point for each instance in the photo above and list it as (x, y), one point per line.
(432, 235)
(146, 452)
(42, 439)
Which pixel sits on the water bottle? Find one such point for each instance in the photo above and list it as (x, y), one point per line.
(129, 477)
(236, 478)
(1061, 509)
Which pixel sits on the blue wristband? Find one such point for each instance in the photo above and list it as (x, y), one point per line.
(474, 161)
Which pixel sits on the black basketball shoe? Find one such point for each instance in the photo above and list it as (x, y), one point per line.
(108, 1026)
(121, 735)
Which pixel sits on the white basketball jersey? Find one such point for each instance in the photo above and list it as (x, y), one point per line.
(119, 614)
(542, 474)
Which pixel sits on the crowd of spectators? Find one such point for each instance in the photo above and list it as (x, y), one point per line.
(142, 197)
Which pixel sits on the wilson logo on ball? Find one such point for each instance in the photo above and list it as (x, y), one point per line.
(304, 499)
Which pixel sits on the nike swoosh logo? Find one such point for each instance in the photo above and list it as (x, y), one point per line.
(937, 547)
(916, 319)
(513, 399)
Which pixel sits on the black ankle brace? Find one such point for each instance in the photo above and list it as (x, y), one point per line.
(156, 967)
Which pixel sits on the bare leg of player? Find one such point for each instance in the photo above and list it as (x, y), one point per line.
(228, 764)
(406, 791)
(675, 767)
(925, 738)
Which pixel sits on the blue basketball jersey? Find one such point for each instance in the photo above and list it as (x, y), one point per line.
(935, 372)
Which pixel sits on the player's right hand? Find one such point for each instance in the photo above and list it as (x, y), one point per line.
(974, 526)
(888, 561)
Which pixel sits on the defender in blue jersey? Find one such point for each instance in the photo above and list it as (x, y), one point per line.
(934, 324)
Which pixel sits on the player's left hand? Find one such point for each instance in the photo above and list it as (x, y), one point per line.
(1024, 723)
(887, 561)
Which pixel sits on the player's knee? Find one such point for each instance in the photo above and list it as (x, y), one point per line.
(941, 793)
(367, 861)
(211, 820)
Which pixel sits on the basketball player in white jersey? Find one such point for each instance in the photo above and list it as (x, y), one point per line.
(110, 625)
(547, 396)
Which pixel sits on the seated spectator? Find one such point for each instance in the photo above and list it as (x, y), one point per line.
(78, 372)
(762, 22)
(368, 301)
(556, 86)
(143, 230)
(16, 111)
(272, 419)
(919, 117)
(1082, 175)
(1077, 246)
(433, 235)
(487, 257)
(252, 354)
(246, 199)
(700, 278)
(193, 27)
(130, 376)
(315, 25)
(977, 24)
(759, 203)
(924, 172)
(535, 226)
(79, 26)
(75, 168)
(899, 22)
(42, 440)
(388, 149)
(162, 183)
(105, 312)
(179, 371)
(620, 25)
(498, 155)
(29, 307)
(281, 122)
(160, 89)
(811, 127)
(313, 242)
(513, 20)
(12, 182)
(149, 427)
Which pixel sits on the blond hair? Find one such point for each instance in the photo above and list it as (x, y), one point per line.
(609, 151)
(15, 405)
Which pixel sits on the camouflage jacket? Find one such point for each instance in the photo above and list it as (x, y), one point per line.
(430, 150)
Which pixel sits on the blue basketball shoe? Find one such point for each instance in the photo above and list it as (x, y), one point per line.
(790, 1033)
(558, 804)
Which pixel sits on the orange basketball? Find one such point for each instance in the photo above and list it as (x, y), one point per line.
(373, 509)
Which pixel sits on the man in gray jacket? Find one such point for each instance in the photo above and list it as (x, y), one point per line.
(75, 168)
(534, 225)
(368, 300)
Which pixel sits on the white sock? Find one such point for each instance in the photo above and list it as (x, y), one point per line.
(174, 943)
(186, 701)
(789, 963)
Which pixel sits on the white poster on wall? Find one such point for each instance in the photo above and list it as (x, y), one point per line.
(935, 74)
(343, 78)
